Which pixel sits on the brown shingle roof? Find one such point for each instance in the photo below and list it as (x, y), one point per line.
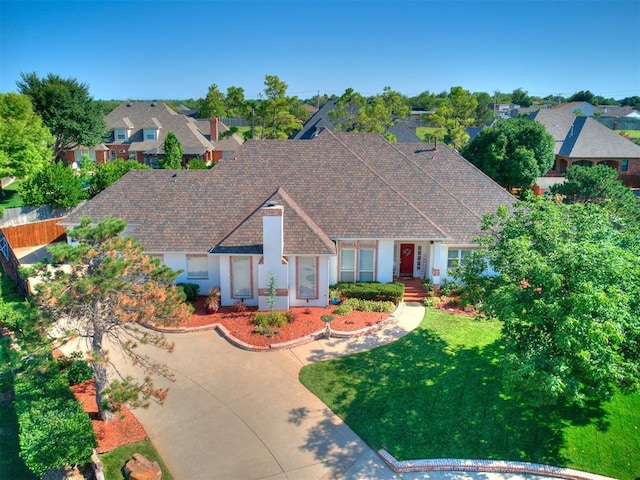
(336, 186)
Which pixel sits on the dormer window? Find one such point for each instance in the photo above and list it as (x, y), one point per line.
(150, 134)
(121, 134)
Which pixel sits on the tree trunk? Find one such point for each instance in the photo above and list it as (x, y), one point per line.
(100, 375)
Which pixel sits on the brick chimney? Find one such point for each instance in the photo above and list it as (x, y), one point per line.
(214, 128)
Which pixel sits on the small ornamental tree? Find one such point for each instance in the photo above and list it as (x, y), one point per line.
(107, 291)
(567, 288)
(54, 184)
(172, 159)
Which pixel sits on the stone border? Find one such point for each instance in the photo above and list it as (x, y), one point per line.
(485, 466)
(222, 330)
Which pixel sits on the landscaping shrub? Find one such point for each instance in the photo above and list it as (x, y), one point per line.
(450, 287)
(54, 430)
(369, 305)
(343, 309)
(190, 290)
(383, 292)
(272, 319)
(431, 301)
(76, 369)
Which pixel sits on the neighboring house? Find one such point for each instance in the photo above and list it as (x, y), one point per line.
(224, 146)
(585, 141)
(505, 110)
(339, 207)
(616, 111)
(404, 131)
(584, 108)
(136, 131)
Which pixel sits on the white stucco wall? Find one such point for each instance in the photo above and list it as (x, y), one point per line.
(178, 261)
(385, 261)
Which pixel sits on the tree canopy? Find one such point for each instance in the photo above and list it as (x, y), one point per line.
(455, 113)
(278, 115)
(25, 143)
(66, 108)
(568, 291)
(107, 173)
(110, 288)
(514, 152)
(172, 159)
(213, 105)
(54, 184)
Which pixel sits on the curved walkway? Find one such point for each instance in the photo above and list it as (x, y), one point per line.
(233, 414)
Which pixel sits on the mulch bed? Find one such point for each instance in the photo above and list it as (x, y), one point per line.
(306, 321)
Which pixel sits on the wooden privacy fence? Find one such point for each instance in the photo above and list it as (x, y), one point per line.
(35, 233)
(28, 235)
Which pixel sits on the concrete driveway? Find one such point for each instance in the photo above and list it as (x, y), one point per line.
(232, 414)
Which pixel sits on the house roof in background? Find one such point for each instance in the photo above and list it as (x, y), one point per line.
(404, 131)
(137, 116)
(337, 186)
(584, 137)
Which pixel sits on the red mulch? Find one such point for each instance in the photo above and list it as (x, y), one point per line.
(306, 321)
(122, 430)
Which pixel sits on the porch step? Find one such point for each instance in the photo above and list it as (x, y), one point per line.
(413, 289)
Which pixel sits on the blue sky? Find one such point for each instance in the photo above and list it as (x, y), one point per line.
(176, 49)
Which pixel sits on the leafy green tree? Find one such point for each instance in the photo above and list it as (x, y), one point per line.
(348, 106)
(108, 289)
(276, 112)
(631, 101)
(514, 152)
(567, 290)
(66, 108)
(25, 143)
(599, 184)
(425, 101)
(107, 173)
(213, 105)
(483, 113)
(521, 97)
(455, 114)
(172, 159)
(582, 96)
(54, 184)
(197, 164)
(235, 103)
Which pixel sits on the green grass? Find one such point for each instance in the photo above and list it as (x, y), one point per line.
(631, 133)
(10, 197)
(115, 460)
(437, 393)
(424, 132)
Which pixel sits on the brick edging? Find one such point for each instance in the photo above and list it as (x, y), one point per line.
(222, 330)
(488, 466)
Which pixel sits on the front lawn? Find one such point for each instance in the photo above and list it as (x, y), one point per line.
(9, 197)
(436, 393)
(114, 461)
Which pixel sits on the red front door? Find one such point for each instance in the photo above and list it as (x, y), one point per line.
(406, 259)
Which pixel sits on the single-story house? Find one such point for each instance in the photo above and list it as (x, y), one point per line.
(302, 215)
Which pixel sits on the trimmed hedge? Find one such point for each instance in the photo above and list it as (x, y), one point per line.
(54, 429)
(369, 305)
(191, 290)
(379, 292)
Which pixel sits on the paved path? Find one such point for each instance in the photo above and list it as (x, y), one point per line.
(233, 414)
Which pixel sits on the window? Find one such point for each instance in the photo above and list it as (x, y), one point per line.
(456, 257)
(366, 265)
(624, 166)
(112, 153)
(419, 257)
(120, 134)
(241, 277)
(197, 267)
(348, 265)
(307, 277)
(150, 134)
